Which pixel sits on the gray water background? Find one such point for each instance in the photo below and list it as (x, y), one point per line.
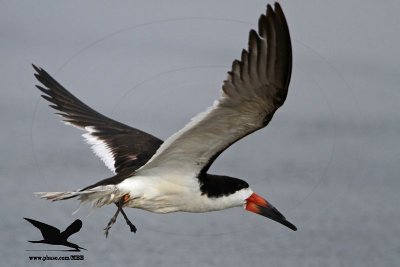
(329, 160)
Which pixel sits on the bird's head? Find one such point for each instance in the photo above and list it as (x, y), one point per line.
(233, 192)
(259, 205)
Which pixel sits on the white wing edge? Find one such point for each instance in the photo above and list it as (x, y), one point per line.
(100, 148)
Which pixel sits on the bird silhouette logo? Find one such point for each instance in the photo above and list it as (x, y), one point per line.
(53, 236)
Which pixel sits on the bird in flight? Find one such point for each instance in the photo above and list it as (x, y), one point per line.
(172, 175)
(54, 236)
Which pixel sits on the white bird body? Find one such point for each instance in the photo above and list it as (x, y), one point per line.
(159, 194)
(164, 195)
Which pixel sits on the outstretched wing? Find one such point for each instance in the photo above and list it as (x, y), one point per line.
(121, 147)
(48, 231)
(255, 88)
(72, 229)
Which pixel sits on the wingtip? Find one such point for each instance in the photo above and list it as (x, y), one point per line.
(278, 10)
(277, 6)
(36, 68)
(270, 10)
(253, 35)
(263, 20)
(29, 220)
(78, 221)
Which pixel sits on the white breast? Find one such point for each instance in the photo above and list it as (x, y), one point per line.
(170, 194)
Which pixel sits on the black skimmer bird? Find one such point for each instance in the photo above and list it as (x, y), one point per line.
(173, 175)
(54, 236)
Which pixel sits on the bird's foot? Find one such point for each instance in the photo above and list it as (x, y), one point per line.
(110, 223)
(124, 200)
(108, 227)
(119, 204)
(130, 224)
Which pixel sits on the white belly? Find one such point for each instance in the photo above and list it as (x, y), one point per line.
(171, 194)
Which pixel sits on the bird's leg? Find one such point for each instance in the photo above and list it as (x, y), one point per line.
(131, 226)
(111, 222)
(119, 204)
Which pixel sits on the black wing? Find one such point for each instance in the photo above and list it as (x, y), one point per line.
(121, 147)
(48, 231)
(72, 229)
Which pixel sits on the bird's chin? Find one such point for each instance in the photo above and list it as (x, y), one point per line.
(259, 205)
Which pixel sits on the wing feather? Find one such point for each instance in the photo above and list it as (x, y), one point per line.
(255, 88)
(121, 147)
